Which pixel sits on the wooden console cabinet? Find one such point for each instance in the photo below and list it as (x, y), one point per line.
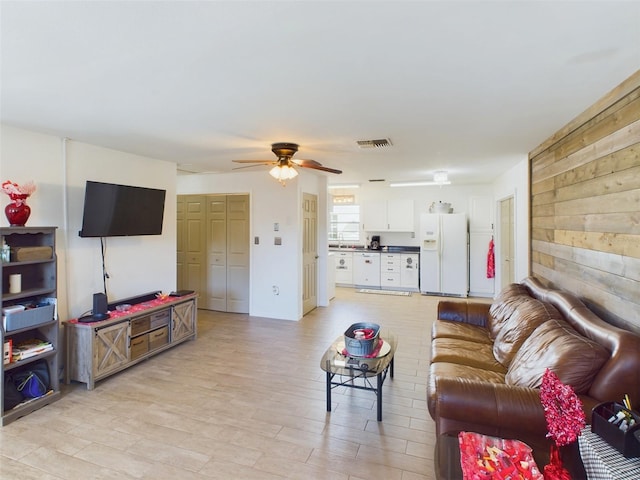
(98, 349)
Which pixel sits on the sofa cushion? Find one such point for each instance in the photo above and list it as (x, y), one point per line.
(462, 331)
(517, 328)
(465, 352)
(557, 346)
(504, 305)
(441, 370)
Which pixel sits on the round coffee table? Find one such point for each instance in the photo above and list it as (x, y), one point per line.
(358, 372)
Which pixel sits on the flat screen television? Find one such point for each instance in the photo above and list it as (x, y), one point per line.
(112, 210)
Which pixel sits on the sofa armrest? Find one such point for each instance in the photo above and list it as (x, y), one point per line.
(498, 407)
(474, 313)
(493, 408)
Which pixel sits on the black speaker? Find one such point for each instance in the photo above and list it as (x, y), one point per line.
(100, 308)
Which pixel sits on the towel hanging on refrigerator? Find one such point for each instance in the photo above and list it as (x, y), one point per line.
(491, 260)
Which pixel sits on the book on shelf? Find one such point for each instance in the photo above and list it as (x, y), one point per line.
(7, 351)
(30, 348)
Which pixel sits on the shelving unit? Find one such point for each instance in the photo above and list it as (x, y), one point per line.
(39, 285)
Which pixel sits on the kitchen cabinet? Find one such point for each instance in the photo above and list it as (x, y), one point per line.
(479, 284)
(390, 270)
(344, 268)
(410, 271)
(388, 216)
(481, 221)
(366, 269)
(400, 271)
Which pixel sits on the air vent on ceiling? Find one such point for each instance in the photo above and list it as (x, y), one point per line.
(380, 143)
(377, 180)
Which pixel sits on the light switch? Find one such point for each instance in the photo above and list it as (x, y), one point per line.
(256, 240)
(276, 227)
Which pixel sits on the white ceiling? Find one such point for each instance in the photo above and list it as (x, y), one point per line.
(467, 87)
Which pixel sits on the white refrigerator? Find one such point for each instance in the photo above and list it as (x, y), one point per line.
(444, 254)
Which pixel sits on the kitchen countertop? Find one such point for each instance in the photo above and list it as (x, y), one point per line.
(385, 249)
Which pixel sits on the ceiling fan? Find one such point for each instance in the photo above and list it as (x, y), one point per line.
(283, 169)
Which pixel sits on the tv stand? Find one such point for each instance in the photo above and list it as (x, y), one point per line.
(98, 349)
(145, 297)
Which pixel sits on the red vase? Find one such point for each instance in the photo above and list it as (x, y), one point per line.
(17, 211)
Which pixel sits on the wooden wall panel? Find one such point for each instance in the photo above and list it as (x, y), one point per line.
(585, 206)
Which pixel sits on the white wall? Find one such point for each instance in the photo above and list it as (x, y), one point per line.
(59, 169)
(272, 265)
(515, 182)
(141, 264)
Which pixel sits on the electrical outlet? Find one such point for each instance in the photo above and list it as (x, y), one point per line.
(277, 241)
(256, 240)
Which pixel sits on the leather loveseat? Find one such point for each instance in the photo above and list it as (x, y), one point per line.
(487, 361)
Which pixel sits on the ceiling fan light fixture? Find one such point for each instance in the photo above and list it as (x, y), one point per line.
(282, 173)
(441, 178)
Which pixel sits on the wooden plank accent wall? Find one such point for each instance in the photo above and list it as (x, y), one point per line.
(585, 207)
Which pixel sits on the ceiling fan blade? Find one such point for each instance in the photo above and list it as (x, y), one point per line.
(320, 167)
(265, 162)
(250, 166)
(306, 163)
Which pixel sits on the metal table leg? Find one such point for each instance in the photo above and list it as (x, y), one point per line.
(329, 377)
(379, 392)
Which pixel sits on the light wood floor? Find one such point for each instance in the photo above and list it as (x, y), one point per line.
(246, 400)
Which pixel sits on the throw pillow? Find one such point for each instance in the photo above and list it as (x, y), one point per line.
(557, 346)
(504, 305)
(519, 326)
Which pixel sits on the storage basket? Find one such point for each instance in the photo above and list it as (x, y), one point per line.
(29, 254)
(361, 347)
(28, 318)
(626, 442)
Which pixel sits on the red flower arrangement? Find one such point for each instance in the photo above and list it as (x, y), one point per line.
(18, 193)
(565, 419)
(18, 211)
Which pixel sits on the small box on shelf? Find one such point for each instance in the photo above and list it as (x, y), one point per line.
(7, 351)
(15, 319)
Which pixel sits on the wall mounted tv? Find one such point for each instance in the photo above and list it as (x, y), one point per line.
(112, 210)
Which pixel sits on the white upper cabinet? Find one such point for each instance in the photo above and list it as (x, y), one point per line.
(388, 215)
(481, 214)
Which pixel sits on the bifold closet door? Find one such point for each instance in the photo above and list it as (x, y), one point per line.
(191, 251)
(228, 253)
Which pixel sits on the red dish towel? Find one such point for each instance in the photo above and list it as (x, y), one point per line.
(491, 260)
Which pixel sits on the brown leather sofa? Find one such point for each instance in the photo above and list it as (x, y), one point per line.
(487, 361)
